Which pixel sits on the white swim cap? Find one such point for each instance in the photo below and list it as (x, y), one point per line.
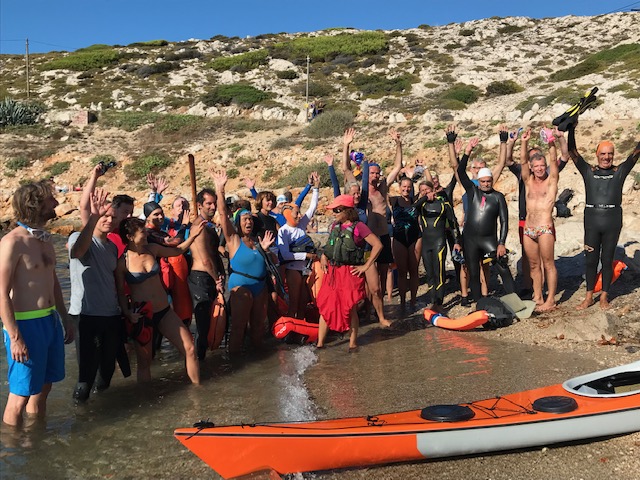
(484, 172)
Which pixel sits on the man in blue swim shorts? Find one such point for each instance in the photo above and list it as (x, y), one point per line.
(31, 305)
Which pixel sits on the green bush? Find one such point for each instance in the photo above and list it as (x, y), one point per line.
(627, 55)
(378, 85)
(186, 54)
(81, 61)
(243, 95)
(326, 48)
(467, 32)
(17, 163)
(287, 74)
(503, 87)
(243, 161)
(149, 43)
(95, 46)
(510, 29)
(329, 124)
(246, 61)
(155, 68)
(233, 172)
(175, 123)
(14, 113)
(316, 89)
(128, 121)
(299, 175)
(461, 92)
(59, 168)
(149, 163)
(282, 143)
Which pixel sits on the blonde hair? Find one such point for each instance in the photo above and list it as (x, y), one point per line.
(28, 200)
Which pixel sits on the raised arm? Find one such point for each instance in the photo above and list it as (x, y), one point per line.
(328, 159)
(87, 191)
(228, 230)
(347, 138)
(454, 145)
(502, 155)
(304, 192)
(251, 185)
(462, 166)
(525, 171)
(97, 208)
(397, 164)
(364, 188)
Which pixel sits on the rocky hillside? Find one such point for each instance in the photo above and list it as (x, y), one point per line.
(239, 104)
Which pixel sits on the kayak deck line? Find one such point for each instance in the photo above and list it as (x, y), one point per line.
(595, 405)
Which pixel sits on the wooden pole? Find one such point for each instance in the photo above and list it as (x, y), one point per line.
(192, 179)
(27, 61)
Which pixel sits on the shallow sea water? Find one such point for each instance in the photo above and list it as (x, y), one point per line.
(126, 431)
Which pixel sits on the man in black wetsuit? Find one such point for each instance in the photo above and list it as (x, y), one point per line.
(485, 207)
(602, 212)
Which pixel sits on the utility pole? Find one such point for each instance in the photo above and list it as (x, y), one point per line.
(307, 102)
(27, 60)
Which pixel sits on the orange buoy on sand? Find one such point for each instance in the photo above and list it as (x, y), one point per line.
(218, 324)
(618, 267)
(294, 330)
(468, 322)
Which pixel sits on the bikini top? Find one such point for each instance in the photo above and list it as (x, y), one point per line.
(139, 277)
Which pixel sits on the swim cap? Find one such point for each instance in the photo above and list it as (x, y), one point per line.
(238, 214)
(281, 199)
(604, 143)
(287, 212)
(149, 207)
(484, 172)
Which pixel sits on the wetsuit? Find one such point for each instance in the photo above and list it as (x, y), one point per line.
(435, 218)
(446, 194)
(602, 213)
(405, 227)
(263, 223)
(480, 227)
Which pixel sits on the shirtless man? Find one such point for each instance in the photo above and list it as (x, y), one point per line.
(31, 305)
(377, 217)
(207, 272)
(539, 233)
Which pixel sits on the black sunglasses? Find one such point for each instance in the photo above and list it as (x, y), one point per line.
(338, 210)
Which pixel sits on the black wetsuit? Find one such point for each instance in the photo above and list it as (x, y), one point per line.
(436, 218)
(262, 223)
(480, 227)
(602, 213)
(446, 194)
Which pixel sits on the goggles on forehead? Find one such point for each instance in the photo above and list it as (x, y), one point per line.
(38, 233)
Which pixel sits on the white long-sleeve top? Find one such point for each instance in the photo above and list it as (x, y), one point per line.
(288, 234)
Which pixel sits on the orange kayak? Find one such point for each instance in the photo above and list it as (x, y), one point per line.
(594, 405)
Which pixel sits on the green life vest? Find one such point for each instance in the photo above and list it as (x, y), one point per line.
(341, 249)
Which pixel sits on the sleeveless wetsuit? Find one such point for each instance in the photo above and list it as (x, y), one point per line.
(435, 217)
(480, 227)
(405, 228)
(602, 213)
(247, 269)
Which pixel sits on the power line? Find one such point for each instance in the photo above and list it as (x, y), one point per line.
(622, 8)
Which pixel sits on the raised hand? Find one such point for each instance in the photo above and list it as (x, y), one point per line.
(98, 202)
(451, 134)
(526, 136)
(348, 136)
(267, 240)
(314, 179)
(151, 181)
(473, 143)
(328, 159)
(250, 183)
(161, 184)
(395, 136)
(503, 131)
(219, 179)
(458, 146)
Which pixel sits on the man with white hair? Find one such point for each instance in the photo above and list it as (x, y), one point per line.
(485, 207)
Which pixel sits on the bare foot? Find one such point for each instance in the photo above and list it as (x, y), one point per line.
(546, 307)
(604, 302)
(586, 303)
(385, 323)
(538, 300)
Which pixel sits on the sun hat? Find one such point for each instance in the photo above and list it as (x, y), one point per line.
(484, 172)
(342, 201)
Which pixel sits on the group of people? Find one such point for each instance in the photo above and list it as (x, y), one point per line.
(142, 279)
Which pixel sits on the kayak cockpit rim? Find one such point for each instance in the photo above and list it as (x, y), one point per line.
(614, 382)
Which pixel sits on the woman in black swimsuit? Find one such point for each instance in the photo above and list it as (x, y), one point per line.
(140, 269)
(602, 212)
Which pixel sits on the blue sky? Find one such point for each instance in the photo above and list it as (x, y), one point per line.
(71, 24)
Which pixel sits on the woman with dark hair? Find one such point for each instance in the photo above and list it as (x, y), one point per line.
(139, 267)
(343, 262)
(264, 220)
(247, 272)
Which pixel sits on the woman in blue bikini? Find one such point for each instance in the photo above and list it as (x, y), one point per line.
(248, 272)
(140, 269)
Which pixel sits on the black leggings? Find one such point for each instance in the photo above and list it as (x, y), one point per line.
(434, 255)
(203, 293)
(475, 248)
(98, 342)
(601, 232)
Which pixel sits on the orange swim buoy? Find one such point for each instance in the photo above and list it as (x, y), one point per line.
(468, 322)
(142, 331)
(218, 324)
(294, 330)
(618, 267)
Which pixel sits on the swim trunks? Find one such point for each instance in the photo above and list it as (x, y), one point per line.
(535, 232)
(386, 255)
(42, 334)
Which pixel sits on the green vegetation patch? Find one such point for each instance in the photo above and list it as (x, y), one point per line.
(503, 87)
(379, 85)
(13, 112)
(329, 124)
(59, 168)
(149, 163)
(128, 121)
(461, 92)
(81, 61)
(299, 175)
(18, 163)
(326, 48)
(243, 95)
(242, 62)
(287, 74)
(105, 158)
(149, 44)
(627, 55)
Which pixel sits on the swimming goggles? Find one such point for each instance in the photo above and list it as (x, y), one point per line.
(38, 233)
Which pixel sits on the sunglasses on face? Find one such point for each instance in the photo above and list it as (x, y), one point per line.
(338, 210)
